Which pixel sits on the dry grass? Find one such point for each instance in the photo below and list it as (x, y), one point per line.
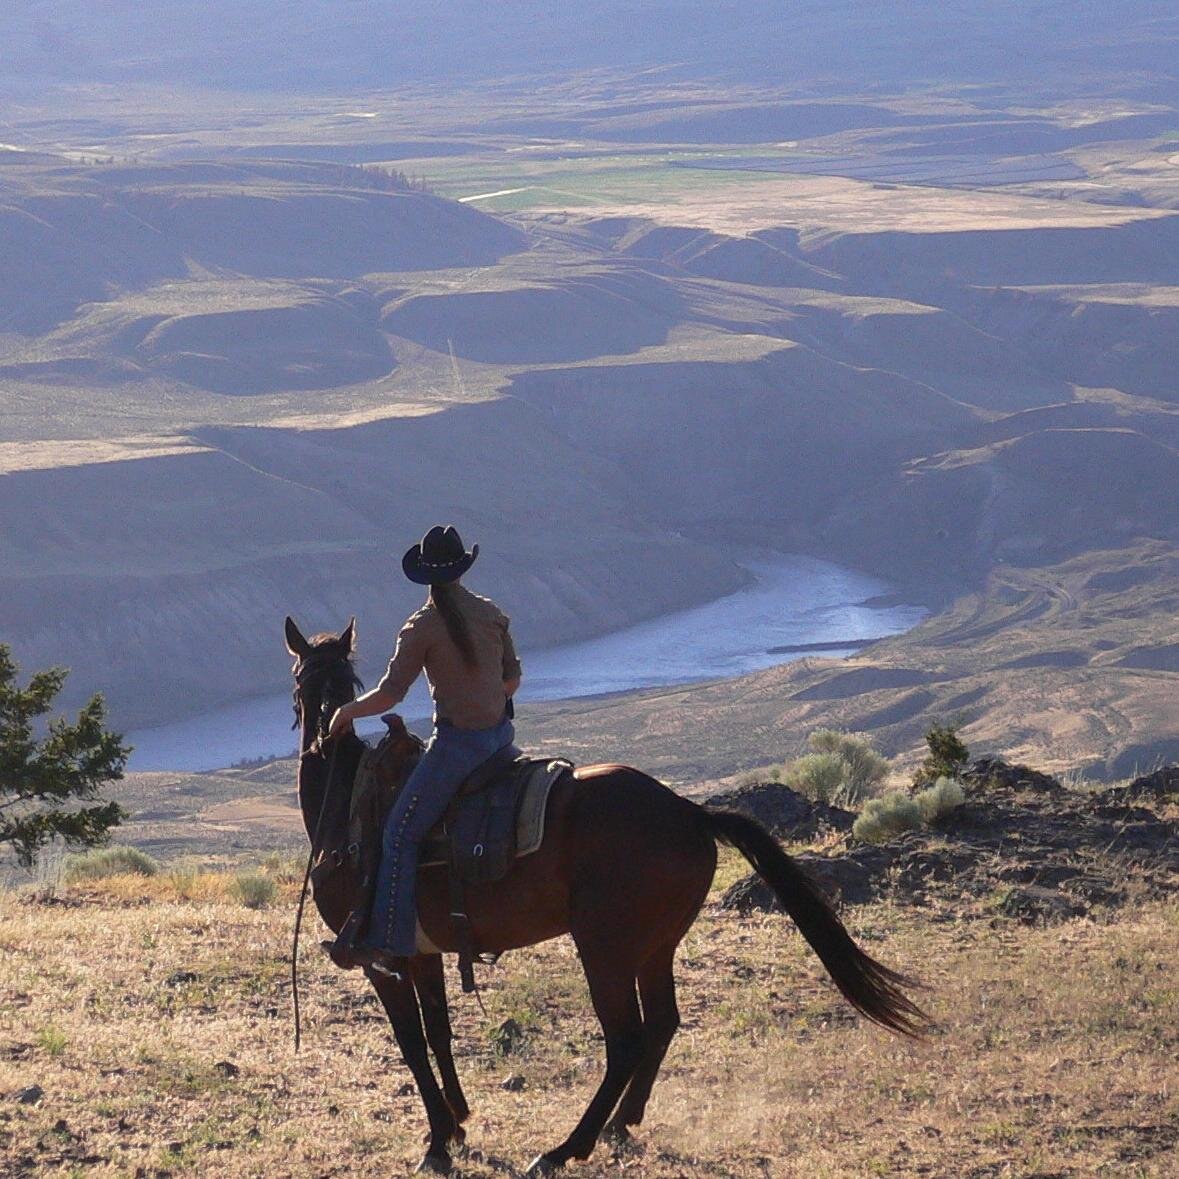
(157, 1024)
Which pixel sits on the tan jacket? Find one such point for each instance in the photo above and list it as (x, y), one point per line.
(468, 697)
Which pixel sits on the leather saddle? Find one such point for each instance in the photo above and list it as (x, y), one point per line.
(496, 815)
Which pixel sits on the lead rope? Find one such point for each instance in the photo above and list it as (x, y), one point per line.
(317, 751)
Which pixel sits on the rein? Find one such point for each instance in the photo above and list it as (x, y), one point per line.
(303, 889)
(314, 750)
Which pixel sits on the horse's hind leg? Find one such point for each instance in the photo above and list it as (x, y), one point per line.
(431, 987)
(661, 1020)
(611, 980)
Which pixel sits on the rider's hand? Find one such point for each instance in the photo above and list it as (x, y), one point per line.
(341, 723)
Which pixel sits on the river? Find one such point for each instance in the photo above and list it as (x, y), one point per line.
(794, 601)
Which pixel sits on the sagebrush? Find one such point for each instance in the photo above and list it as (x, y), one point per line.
(897, 812)
(841, 769)
(110, 861)
(884, 818)
(254, 890)
(944, 796)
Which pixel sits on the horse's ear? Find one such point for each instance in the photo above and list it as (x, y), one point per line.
(296, 643)
(348, 637)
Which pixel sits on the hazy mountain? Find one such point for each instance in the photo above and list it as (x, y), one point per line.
(925, 331)
(317, 44)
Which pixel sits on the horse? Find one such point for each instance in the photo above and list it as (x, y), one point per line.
(624, 868)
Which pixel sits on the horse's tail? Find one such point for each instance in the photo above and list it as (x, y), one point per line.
(871, 988)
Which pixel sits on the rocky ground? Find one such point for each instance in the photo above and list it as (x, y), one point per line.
(1023, 845)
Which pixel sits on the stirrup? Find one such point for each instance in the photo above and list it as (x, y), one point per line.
(351, 957)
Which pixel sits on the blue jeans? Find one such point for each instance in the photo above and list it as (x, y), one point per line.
(450, 756)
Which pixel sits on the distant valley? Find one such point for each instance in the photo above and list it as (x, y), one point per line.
(241, 367)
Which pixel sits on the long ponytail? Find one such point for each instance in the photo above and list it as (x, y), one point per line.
(442, 595)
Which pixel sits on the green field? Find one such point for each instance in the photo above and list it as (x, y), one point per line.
(528, 179)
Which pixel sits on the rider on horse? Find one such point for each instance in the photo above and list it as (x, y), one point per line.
(463, 644)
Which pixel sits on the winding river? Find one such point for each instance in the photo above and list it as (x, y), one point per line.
(794, 602)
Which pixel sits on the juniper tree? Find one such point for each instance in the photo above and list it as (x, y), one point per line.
(947, 756)
(51, 770)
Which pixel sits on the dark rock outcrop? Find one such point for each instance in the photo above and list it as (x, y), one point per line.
(783, 810)
(1161, 786)
(1021, 846)
(991, 774)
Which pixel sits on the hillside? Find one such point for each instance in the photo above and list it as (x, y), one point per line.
(733, 333)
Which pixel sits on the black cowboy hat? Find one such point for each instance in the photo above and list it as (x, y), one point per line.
(440, 557)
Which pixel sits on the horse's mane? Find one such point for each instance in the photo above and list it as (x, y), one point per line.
(326, 636)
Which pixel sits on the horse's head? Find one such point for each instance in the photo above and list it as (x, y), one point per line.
(324, 678)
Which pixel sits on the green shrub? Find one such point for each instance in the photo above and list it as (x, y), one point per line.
(842, 768)
(254, 890)
(940, 799)
(947, 756)
(52, 1040)
(110, 861)
(820, 776)
(882, 818)
(51, 770)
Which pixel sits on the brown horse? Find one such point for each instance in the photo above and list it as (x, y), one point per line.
(624, 868)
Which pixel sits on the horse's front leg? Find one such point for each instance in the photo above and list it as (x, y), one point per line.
(430, 982)
(401, 1005)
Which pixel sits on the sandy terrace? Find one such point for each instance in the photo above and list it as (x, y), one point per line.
(83, 452)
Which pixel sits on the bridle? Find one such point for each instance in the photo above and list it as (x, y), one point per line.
(330, 674)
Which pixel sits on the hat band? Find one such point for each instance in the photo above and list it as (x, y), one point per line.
(442, 564)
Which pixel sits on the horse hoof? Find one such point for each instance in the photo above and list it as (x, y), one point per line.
(543, 1165)
(434, 1164)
